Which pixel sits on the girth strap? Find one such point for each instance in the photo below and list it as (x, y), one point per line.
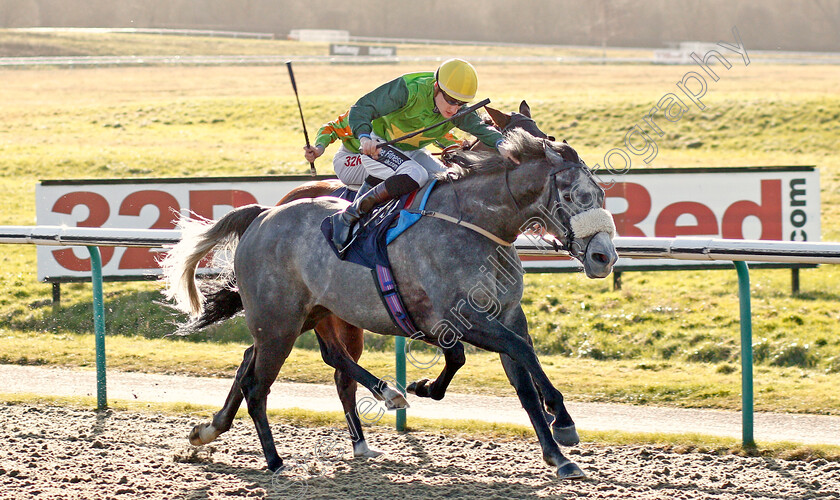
(392, 299)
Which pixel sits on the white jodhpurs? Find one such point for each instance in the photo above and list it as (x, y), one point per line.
(418, 166)
(348, 167)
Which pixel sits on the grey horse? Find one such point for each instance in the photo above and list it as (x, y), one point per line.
(341, 343)
(460, 284)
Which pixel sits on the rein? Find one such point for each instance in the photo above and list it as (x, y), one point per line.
(487, 234)
(554, 198)
(510, 193)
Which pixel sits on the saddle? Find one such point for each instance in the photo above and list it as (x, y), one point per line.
(374, 231)
(369, 247)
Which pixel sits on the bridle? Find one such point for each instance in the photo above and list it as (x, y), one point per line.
(555, 199)
(559, 164)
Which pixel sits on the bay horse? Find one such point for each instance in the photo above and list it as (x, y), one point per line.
(289, 279)
(341, 343)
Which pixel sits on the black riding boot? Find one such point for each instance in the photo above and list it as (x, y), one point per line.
(369, 183)
(342, 222)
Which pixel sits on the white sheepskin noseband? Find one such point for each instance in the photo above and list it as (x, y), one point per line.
(594, 220)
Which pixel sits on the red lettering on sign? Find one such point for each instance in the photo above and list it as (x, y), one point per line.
(99, 211)
(638, 207)
(769, 212)
(666, 224)
(167, 205)
(202, 202)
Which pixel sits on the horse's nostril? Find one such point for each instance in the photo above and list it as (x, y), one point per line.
(600, 258)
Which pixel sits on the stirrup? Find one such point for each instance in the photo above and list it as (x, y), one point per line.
(342, 233)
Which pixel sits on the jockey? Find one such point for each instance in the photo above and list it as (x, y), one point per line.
(410, 102)
(347, 162)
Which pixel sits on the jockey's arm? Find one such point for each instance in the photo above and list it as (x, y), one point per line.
(383, 100)
(485, 133)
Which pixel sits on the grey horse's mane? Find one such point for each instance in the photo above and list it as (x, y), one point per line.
(524, 146)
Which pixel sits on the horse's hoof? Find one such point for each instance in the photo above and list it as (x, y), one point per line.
(194, 439)
(371, 453)
(200, 435)
(275, 465)
(570, 470)
(566, 436)
(363, 451)
(419, 388)
(396, 401)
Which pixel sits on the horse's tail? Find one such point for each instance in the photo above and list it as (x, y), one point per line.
(198, 238)
(220, 303)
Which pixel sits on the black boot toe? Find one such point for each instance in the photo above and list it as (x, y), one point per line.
(340, 230)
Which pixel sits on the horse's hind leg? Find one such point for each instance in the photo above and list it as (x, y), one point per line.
(222, 420)
(335, 355)
(353, 342)
(454, 359)
(271, 348)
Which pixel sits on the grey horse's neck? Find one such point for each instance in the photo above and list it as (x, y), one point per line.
(500, 202)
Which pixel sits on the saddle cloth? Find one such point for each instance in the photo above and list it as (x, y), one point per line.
(369, 248)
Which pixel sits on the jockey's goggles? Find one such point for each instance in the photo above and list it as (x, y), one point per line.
(451, 100)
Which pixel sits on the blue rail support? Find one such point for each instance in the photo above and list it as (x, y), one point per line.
(399, 348)
(98, 326)
(746, 354)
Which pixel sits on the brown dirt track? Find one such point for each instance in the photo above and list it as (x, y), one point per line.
(58, 452)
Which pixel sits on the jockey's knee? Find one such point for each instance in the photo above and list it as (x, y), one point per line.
(415, 171)
(400, 184)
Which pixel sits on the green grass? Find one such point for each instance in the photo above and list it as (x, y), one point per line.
(667, 338)
(24, 43)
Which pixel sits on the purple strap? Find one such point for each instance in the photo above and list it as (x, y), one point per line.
(393, 301)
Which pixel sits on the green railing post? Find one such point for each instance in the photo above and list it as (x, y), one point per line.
(399, 348)
(98, 326)
(746, 354)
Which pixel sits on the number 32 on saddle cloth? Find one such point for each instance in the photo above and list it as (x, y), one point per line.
(369, 247)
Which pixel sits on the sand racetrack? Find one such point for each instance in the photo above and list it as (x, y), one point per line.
(59, 452)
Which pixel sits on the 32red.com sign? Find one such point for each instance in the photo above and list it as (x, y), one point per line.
(773, 203)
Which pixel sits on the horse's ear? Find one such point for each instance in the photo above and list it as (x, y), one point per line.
(525, 109)
(553, 156)
(500, 119)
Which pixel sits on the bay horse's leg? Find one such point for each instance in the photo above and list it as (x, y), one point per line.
(335, 355)
(270, 351)
(454, 359)
(222, 420)
(340, 333)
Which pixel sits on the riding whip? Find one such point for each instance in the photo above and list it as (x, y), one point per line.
(300, 108)
(459, 114)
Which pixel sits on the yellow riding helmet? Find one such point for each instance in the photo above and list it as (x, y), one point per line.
(457, 78)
